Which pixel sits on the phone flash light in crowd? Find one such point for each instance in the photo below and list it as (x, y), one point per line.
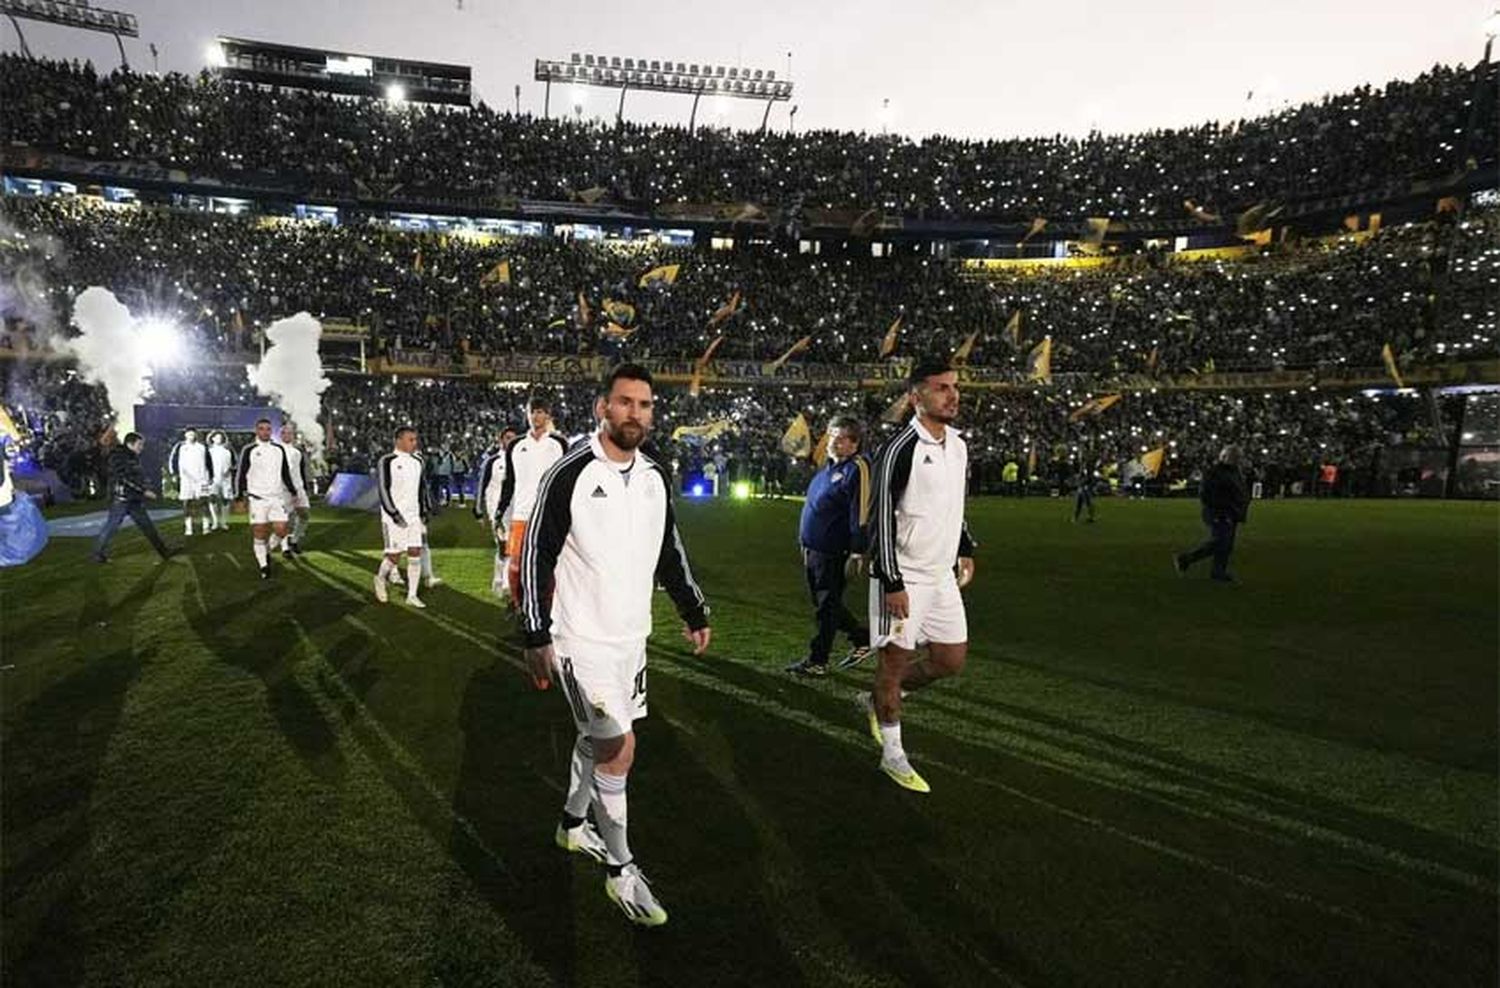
(740, 491)
(395, 93)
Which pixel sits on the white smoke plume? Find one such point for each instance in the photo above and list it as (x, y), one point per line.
(110, 352)
(291, 374)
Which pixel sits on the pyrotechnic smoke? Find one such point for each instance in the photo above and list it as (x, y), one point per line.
(291, 374)
(110, 352)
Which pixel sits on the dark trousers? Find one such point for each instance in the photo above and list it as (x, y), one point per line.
(826, 581)
(1219, 544)
(137, 512)
(1083, 499)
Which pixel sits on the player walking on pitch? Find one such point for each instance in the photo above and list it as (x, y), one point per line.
(299, 505)
(403, 514)
(190, 463)
(264, 478)
(487, 504)
(526, 460)
(221, 487)
(919, 535)
(602, 535)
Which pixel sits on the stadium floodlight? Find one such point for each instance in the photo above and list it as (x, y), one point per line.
(214, 55)
(75, 14)
(160, 342)
(661, 76)
(395, 93)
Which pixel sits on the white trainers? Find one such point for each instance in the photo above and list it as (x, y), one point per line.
(435, 581)
(632, 893)
(581, 839)
(396, 580)
(380, 593)
(412, 601)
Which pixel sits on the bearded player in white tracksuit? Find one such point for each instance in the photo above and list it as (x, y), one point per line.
(189, 462)
(221, 486)
(602, 536)
(487, 502)
(921, 556)
(403, 514)
(264, 479)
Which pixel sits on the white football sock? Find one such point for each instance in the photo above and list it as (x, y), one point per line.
(890, 741)
(386, 568)
(427, 562)
(413, 576)
(609, 815)
(213, 516)
(580, 777)
(274, 542)
(260, 553)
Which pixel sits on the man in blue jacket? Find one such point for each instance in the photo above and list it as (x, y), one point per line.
(833, 527)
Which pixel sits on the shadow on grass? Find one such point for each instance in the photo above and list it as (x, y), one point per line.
(51, 765)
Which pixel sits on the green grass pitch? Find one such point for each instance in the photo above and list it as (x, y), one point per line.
(1140, 779)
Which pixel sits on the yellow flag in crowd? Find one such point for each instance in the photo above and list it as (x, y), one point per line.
(667, 273)
(704, 432)
(416, 261)
(620, 312)
(8, 428)
(499, 275)
(696, 384)
(1031, 462)
(1388, 357)
(797, 440)
(615, 331)
(1037, 226)
(1151, 462)
(820, 451)
(585, 314)
(961, 355)
(898, 409)
(791, 352)
(726, 310)
(888, 345)
(1092, 407)
(1039, 362)
(1013, 330)
(1152, 360)
(1095, 227)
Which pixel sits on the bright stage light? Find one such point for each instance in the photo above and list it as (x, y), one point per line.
(160, 341)
(395, 93)
(697, 491)
(740, 490)
(214, 55)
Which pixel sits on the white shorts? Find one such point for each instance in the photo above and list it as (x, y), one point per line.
(192, 490)
(935, 613)
(223, 487)
(399, 539)
(265, 510)
(605, 686)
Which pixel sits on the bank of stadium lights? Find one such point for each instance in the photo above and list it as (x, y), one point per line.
(395, 93)
(723, 82)
(72, 13)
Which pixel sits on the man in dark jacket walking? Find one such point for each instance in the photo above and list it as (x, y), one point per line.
(1226, 506)
(833, 525)
(128, 495)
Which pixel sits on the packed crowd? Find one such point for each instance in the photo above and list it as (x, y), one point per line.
(1427, 288)
(1370, 139)
(1287, 435)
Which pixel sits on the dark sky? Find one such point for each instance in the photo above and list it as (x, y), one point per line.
(998, 68)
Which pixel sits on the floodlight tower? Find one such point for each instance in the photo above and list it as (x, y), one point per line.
(72, 13)
(661, 76)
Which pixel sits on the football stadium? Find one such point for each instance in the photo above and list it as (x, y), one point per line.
(973, 540)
